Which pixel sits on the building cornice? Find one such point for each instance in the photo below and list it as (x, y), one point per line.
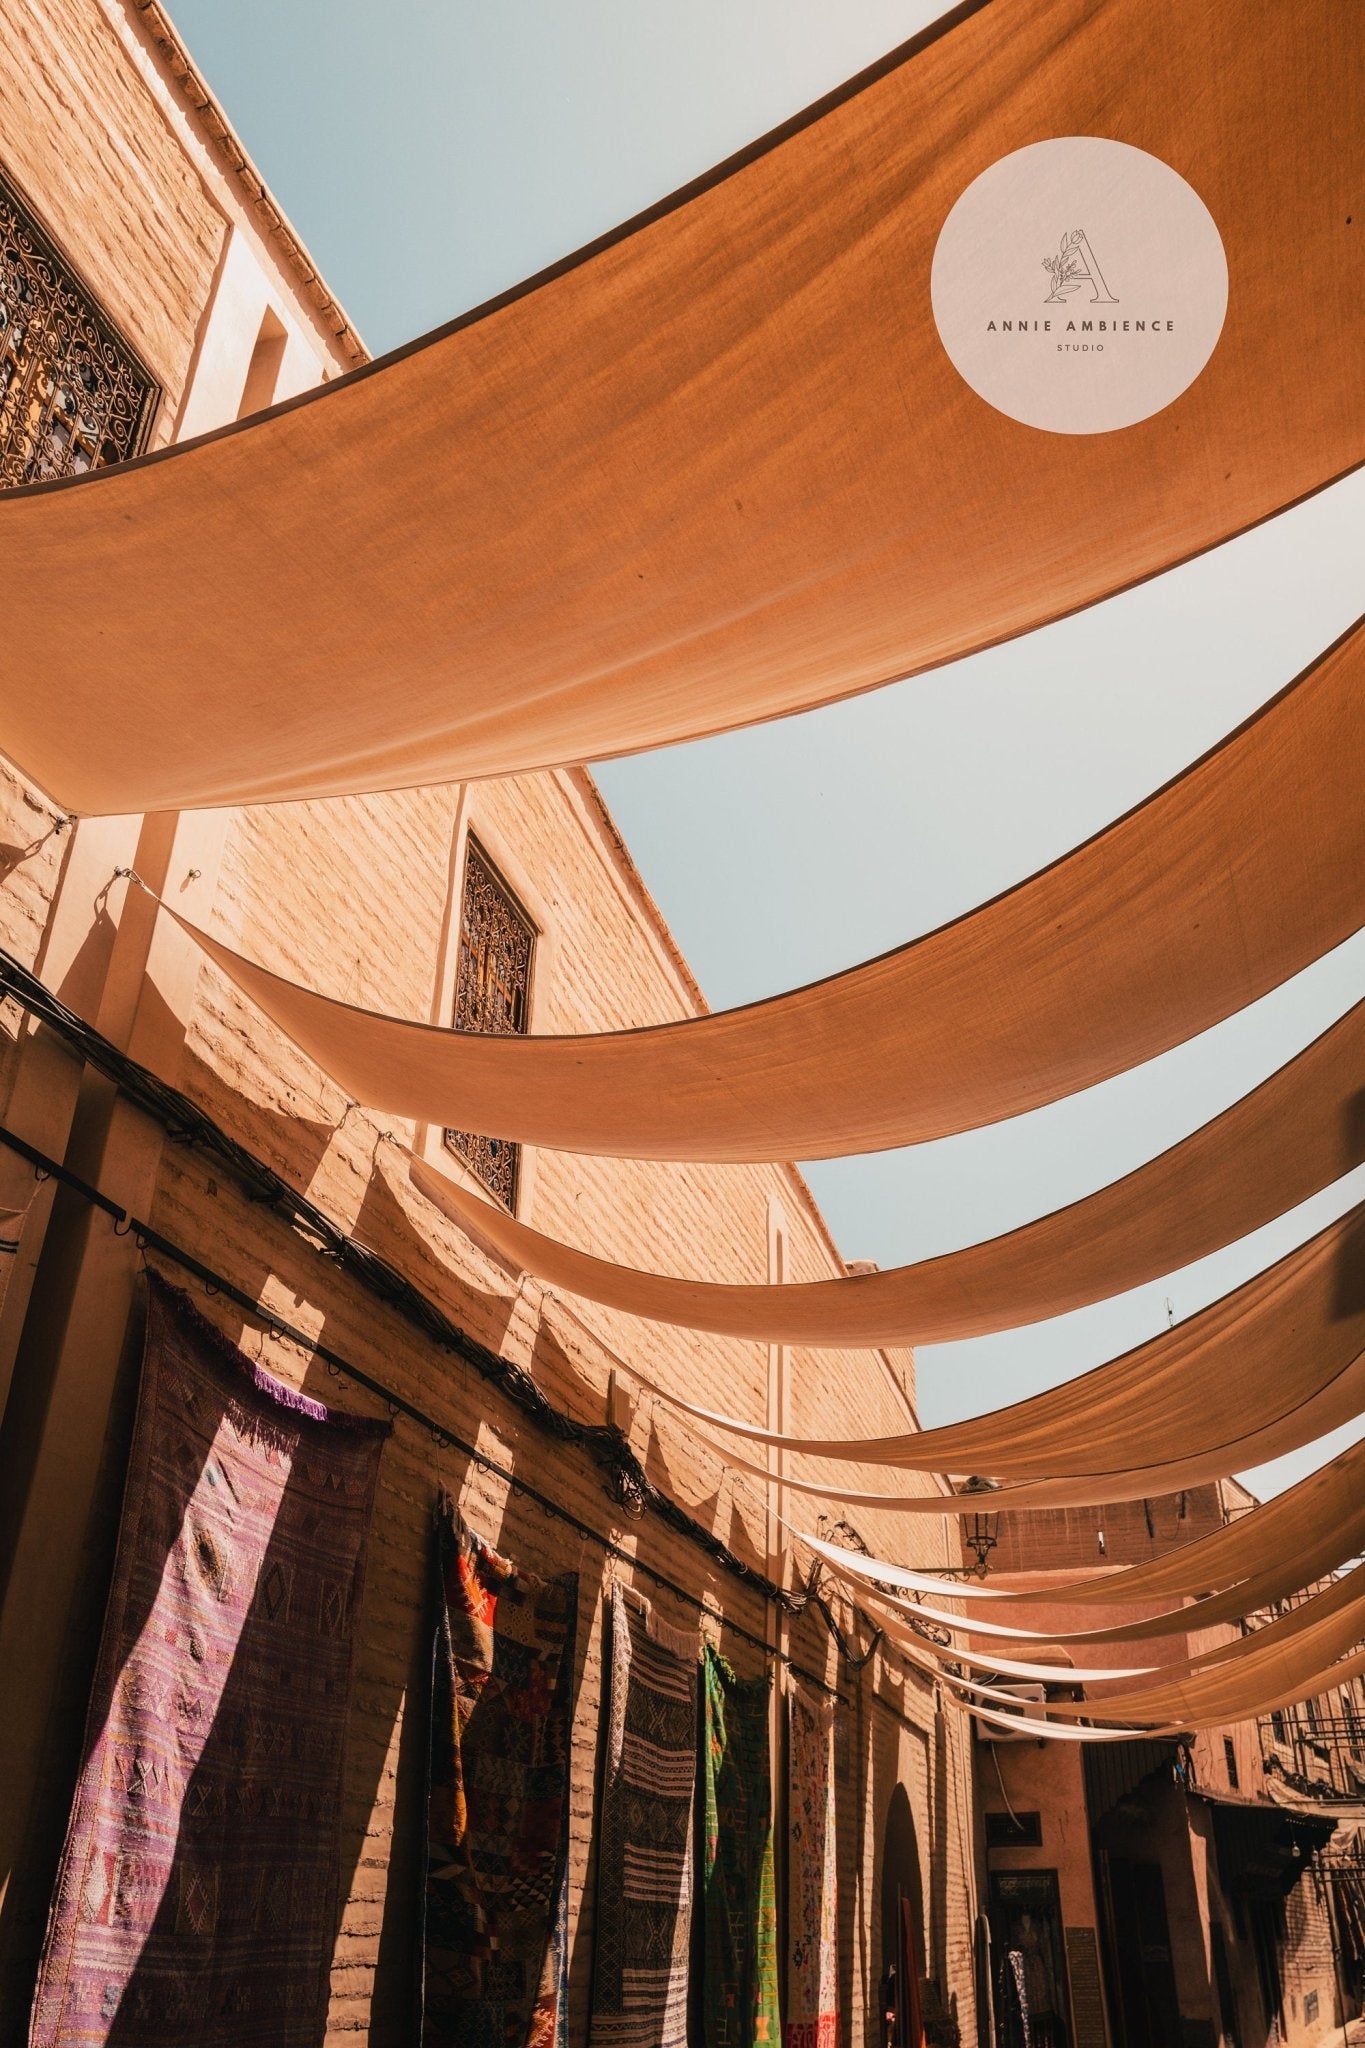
(221, 138)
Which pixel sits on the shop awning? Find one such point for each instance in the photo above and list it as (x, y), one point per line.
(1263, 1850)
(1248, 1359)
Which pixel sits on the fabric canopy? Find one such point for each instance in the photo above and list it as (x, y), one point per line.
(717, 467)
(1279, 1676)
(1342, 1593)
(1240, 872)
(1276, 1549)
(1218, 1707)
(1341, 1401)
(1273, 1549)
(1242, 1363)
(1246, 1706)
(1275, 1662)
(1052, 1731)
(1295, 1538)
(1277, 1146)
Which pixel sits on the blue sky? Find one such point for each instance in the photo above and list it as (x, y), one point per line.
(431, 154)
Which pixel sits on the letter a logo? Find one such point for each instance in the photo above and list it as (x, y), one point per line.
(1074, 266)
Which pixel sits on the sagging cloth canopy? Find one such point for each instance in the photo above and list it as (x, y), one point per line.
(1278, 1548)
(1283, 1142)
(1240, 872)
(1248, 1359)
(717, 467)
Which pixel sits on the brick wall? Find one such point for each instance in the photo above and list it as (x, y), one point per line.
(1068, 1539)
(96, 155)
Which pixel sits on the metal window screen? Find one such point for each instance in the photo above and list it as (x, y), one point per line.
(73, 395)
(492, 990)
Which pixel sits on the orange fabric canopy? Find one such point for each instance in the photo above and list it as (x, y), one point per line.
(719, 466)
(1289, 1659)
(1277, 1146)
(1339, 1402)
(1276, 1549)
(1233, 877)
(1250, 1358)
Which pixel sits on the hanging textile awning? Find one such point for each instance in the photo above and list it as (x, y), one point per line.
(1236, 875)
(1275, 1547)
(1269, 1675)
(1051, 1731)
(717, 467)
(1341, 1595)
(1280, 1144)
(1241, 1364)
(1340, 1402)
(1326, 1550)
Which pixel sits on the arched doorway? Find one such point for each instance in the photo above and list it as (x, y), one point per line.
(902, 1916)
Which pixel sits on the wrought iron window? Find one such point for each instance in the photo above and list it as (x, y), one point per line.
(73, 396)
(492, 993)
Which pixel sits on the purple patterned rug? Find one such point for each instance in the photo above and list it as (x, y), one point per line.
(197, 1896)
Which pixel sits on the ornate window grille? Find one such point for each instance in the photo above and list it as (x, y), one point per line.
(492, 991)
(73, 395)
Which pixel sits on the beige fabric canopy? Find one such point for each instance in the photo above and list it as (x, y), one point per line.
(1236, 875)
(1277, 1146)
(1277, 1661)
(718, 467)
(1341, 1401)
(1301, 1543)
(1295, 1538)
(1346, 1591)
(1279, 1676)
(1243, 1696)
(1240, 1364)
(1248, 1708)
(1051, 1731)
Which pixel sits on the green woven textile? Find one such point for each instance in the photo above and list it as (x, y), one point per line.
(739, 1953)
